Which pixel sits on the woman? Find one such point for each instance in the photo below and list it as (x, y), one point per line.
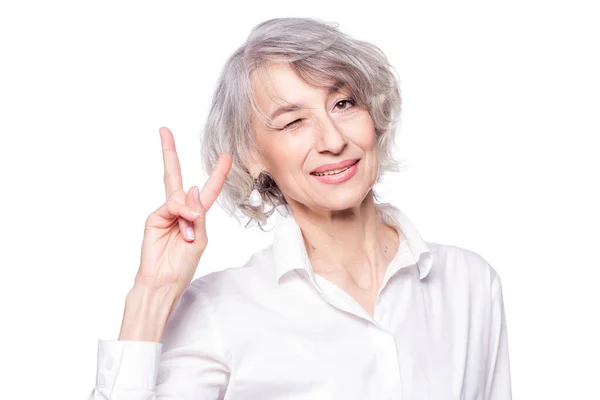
(349, 302)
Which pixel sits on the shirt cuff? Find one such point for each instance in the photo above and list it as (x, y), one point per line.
(124, 364)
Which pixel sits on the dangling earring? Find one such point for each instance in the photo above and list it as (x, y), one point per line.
(255, 199)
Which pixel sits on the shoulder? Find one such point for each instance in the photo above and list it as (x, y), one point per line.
(454, 264)
(211, 296)
(237, 282)
(463, 283)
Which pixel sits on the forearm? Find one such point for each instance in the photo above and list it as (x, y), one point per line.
(146, 312)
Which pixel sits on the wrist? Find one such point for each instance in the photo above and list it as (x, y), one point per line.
(147, 310)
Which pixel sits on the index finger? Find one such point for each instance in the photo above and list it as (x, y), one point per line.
(172, 177)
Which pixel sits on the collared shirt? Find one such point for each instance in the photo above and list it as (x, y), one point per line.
(274, 329)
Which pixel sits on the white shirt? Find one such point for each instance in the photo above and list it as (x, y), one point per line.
(273, 329)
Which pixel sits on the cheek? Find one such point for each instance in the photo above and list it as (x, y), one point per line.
(366, 139)
(284, 156)
(363, 131)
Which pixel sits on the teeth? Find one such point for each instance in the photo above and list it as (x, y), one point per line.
(332, 172)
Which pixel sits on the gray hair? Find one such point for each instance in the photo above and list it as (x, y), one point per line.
(318, 52)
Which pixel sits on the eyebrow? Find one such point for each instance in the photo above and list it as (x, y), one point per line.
(294, 107)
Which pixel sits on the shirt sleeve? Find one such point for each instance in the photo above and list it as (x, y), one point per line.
(189, 363)
(498, 381)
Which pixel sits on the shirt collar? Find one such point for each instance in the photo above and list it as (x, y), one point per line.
(290, 252)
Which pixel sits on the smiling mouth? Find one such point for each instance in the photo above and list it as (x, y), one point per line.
(334, 171)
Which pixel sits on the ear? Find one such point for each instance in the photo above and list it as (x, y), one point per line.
(256, 163)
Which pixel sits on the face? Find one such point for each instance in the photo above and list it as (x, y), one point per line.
(325, 128)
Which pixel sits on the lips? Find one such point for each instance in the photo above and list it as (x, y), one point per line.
(335, 166)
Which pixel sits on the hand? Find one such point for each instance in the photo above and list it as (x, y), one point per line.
(175, 233)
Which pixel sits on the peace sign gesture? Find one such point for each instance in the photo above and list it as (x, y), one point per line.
(175, 233)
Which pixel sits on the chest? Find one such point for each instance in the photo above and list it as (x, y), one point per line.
(324, 348)
(364, 298)
(343, 285)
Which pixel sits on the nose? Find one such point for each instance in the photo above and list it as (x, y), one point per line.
(328, 136)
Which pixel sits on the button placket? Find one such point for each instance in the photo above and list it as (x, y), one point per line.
(387, 357)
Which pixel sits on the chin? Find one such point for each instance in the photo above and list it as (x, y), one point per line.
(344, 200)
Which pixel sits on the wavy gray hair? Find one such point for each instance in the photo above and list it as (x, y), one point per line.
(319, 53)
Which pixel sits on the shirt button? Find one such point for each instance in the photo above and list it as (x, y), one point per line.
(109, 363)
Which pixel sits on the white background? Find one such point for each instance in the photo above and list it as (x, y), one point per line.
(498, 135)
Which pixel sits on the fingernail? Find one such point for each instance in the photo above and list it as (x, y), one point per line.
(197, 194)
(190, 232)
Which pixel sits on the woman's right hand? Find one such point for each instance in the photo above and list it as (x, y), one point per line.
(175, 233)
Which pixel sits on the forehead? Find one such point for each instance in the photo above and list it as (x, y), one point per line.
(278, 83)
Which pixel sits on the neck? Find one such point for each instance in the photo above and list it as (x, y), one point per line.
(352, 244)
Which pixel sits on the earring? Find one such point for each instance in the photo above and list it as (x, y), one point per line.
(255, 199)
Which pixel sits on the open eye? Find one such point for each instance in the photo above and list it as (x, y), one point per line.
(345, 102)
